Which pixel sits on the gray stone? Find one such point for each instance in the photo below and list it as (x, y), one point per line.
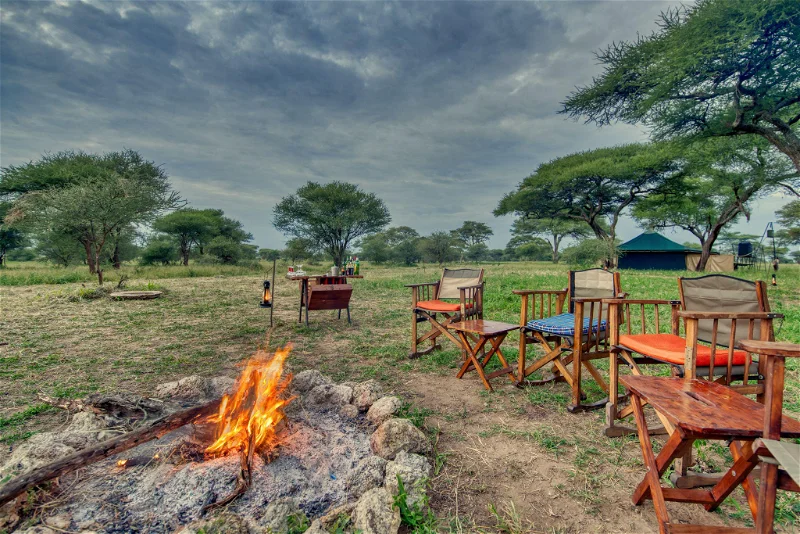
(221, 385)
(395, 435)
(59, 521)
(316, 528)
(305, 381)
(366, 393)
(414, 471)
(38, 450)
(86, 428)
(193, 388)
(383, 409)
(368, 475)
(349, 411)
(38, 529)
(329, 394)
(375, 513)
(279, 513)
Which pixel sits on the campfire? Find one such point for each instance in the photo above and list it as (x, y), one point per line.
(249, 419)
(204, 443)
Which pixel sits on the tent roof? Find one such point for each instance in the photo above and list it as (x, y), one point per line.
(653, 242)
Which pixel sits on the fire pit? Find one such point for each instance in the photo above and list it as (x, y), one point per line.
(277, 454)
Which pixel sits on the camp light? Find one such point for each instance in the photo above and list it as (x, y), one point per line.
(266, 299)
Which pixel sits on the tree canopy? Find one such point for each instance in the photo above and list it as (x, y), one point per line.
(331, 215)
(439, 247)
(89, 197)
(717, 68)
(473, 233)
(552, 231)
(594, 187)
(719, 181)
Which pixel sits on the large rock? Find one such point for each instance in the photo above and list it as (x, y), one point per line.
(194, 388)
(414, 470)
(280, 515)
(366, 393)
(369, 474)
(375, 513)
(395, 435)
(383, 409)
(305, 381)
(329, 394)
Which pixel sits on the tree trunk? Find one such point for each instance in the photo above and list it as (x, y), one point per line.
(89, 258)
(556, 245)
(98, 264)
(115, 257)
(705, 254)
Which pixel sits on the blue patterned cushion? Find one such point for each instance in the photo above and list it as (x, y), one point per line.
(563, 325)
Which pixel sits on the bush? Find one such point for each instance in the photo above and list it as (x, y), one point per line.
(587, 253)
(160, 251)
(227, 250)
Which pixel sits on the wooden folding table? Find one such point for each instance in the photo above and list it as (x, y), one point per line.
(481, 332)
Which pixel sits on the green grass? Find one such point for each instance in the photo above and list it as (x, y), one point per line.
(64, 344)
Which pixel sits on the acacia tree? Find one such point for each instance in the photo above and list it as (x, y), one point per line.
(721, 178)
(718, 68)
(552, 230)
(473, 233)
(789, 217)
(594, 187)
(93, 210)
(32, 185)
(331, 215)
(439, 247)
(189, 227)
(10, 237)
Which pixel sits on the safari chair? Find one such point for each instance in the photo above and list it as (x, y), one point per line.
(556, 331)
(457, 296)
(652, 339)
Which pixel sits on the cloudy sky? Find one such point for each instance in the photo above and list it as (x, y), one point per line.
(438, 107)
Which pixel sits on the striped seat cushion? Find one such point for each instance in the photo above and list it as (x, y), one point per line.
(563, 325)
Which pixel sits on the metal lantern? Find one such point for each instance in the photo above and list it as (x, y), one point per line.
(266, 299)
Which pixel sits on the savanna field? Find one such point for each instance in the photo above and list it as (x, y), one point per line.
(508, 461)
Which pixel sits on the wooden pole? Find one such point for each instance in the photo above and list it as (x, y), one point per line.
(103, 450)
(273, 293)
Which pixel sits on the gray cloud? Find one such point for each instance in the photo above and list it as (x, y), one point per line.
(438, 107)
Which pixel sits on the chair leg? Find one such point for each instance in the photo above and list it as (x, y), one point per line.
(413, 353)
(348, 315)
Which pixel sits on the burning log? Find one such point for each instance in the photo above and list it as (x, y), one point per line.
(105, 449)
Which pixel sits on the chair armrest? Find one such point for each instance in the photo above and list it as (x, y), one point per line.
(539, 292)
(422, 285)
(689, 314)
(771, 348)
(476, 286)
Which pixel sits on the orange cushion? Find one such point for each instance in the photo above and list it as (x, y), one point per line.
(671, 348)
(440, 306)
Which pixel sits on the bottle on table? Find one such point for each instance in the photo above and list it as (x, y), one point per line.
(357, 266)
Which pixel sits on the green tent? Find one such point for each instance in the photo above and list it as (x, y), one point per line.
(653, 251)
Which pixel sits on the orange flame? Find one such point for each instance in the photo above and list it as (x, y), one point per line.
(247, 420)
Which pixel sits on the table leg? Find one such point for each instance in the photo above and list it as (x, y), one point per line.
(472, 359)
(652, 479)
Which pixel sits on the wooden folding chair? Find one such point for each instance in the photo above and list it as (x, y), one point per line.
(652, 339)
(457, 296)
(707, 410)
(556, 331)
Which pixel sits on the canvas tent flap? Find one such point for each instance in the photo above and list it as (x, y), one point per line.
(717, 263)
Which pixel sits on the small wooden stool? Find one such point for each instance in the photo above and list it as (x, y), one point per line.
(481, 332)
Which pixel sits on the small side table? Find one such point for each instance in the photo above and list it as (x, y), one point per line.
(482, 332)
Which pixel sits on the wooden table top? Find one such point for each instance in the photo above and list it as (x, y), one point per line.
(705, 408)
(770, 348)
(483, 327)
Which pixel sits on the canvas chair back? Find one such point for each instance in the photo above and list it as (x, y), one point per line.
(592, 284)
(717, 292)
(452, 279)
